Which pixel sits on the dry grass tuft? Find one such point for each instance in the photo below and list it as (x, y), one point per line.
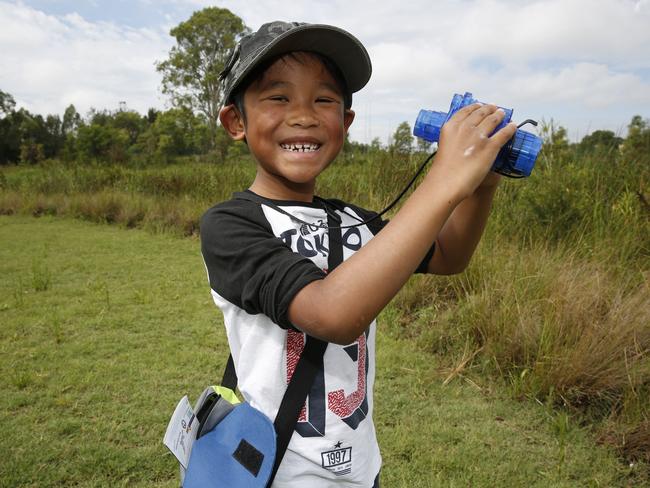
(572, 330)
(632, 443)
(556, 325)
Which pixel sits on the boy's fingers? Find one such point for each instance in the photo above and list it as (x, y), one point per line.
(490, 122)
(477, 116)
(504, 134)
(465, 112)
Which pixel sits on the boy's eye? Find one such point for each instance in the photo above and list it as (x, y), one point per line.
(278, 98)
(326, 100)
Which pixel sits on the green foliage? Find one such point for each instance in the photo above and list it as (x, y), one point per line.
(423, 146)
(101, 142)
(31, 152)
(131, 122)
(555, 142)
(21, 128)
(191, 72)
(41, 276)
(600, 141)
(637, 143)
(71, 120)
(402, 140)
(7, 104)
(175, 132)
(103, 136)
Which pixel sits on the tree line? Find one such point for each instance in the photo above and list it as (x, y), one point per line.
(101, 136)
(190, 78)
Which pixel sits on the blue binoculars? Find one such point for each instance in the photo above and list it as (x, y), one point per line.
(516, 158)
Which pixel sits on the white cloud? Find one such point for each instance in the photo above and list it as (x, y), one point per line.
(48, 61)
(584, 85)
(606, 30)
(581, 62)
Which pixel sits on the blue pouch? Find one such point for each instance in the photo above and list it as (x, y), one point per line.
(236, 445)
(238, 452)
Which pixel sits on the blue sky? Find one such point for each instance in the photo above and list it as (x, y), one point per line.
(584, 64)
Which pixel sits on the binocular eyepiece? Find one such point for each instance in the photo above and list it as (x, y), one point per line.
(516, 158)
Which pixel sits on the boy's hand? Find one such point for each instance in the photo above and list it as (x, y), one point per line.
(466, 150)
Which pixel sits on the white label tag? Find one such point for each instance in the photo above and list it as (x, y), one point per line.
(181, 432)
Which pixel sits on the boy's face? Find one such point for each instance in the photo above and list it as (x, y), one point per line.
(295, 125)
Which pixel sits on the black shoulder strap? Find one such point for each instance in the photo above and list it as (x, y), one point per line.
(310, 362)
(229, 375)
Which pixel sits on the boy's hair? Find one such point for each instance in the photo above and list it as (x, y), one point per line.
(342, 54)
(237, 95)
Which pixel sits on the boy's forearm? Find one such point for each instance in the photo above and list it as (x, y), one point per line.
(340, 307)
(462, 232)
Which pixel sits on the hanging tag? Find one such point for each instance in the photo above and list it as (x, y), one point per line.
(181, 431)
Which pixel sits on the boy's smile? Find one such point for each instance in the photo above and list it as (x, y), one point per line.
(295, 125)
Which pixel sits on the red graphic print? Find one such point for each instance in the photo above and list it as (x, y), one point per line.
(295, 345)
(342, 405)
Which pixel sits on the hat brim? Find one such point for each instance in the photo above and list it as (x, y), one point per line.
(345, 50)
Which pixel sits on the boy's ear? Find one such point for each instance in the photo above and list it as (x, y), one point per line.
(348, 117)
(233, 122)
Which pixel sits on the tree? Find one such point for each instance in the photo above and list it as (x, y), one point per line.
(600, 140)
(191, 73)
(637, 142)
(175, 132)
(71, 120)
(555, 146)
(402, 139)
(102, 143)
(423, 145)
(18, 128)
(53, 137)
(7, 104)
(132, 122)
(8, 151)
(375, 145)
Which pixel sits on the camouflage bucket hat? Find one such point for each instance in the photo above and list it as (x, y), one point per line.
(276, 38)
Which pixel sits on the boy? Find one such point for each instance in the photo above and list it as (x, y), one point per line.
(288, 93)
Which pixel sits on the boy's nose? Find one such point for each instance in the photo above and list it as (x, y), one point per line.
(303, 116)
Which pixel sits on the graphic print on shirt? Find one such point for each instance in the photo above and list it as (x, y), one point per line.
(312, 241)
(351, 408)
(308, 243)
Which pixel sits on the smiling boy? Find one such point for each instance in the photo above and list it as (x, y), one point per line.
(270, 258)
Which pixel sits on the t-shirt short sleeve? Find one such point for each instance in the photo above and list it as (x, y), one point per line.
(249, 266)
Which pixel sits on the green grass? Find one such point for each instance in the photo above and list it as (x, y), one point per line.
(104, 329)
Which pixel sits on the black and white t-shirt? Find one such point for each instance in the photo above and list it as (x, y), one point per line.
(257, 260)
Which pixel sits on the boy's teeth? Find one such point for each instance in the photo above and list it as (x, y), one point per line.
(300, 147)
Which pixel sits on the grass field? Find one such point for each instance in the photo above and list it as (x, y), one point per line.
(104, 329)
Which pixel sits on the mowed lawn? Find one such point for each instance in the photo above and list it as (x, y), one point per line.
(102, 330)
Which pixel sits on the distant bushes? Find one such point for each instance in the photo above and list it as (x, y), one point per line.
(108, 137)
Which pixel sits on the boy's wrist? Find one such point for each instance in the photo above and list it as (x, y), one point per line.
(492, 180)
(449, 186)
